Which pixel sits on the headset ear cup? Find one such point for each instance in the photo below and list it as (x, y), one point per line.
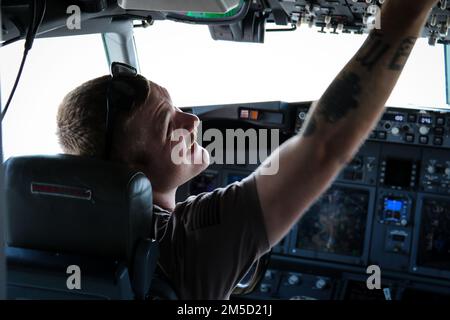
(128, 92)
(122, 94)
(119, 68)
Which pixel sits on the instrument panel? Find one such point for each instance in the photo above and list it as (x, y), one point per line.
(389, 207)
(357, 16)
(335, 227)
(246, 24)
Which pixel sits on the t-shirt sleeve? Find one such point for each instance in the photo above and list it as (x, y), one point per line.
(212, 239)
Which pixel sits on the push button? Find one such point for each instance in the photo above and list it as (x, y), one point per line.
(382, 135)
(439, 131)
(438, 141)
(412, 118)
(423, 139)
(409, 138)
(440, 121)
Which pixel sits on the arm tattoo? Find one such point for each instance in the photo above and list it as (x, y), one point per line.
(401, 55)
(343, 95)
(340, 98)
(373, 51)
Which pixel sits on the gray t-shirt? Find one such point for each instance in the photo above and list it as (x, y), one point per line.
(209, 241)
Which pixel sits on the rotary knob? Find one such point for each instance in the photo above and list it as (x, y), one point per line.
(424, 130)
(431, 169)
(265, 288)
(293, 279)
(268, 275)
(321, 284)
(302, 115)
(395, 131)
(447, 172)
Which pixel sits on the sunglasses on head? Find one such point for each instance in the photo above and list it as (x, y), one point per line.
(126, 89)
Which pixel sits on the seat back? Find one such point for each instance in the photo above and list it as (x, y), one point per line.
(70, 217)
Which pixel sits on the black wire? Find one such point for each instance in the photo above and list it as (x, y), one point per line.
(8, 42)
(31, 34)
(15, 84)
(36, 26)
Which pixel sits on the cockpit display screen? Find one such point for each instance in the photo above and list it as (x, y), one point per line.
(336, 223)
(434, 241)
(397, 117)
(393, 205)
(398, 173)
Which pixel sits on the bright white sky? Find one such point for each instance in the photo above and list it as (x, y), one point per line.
(289, 66)
(292, 66)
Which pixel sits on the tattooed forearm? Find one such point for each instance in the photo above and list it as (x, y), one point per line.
(344, 93)
(401, 55)
(373, 51)
(340, 98)
(376, 48)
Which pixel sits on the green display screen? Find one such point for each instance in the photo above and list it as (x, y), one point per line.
(210, 15)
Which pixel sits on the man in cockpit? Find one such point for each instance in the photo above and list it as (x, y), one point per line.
(209, 241)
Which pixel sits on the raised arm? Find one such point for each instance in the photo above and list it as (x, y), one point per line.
(341, 120)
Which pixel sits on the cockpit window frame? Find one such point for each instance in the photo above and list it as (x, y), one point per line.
(447, 72)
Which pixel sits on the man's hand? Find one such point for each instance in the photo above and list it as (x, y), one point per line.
(341, 120)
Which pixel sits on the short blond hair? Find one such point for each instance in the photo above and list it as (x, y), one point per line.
(81, 118)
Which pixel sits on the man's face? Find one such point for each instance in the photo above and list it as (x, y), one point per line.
(166, 140)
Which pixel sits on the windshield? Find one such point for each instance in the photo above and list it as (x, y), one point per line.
(289, 66)
(53, 68)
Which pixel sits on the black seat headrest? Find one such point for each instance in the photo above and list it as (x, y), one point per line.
(77, 205)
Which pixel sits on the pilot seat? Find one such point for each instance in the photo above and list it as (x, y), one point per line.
(80, 228)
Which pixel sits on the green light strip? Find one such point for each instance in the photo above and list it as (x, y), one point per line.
(210, 15)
